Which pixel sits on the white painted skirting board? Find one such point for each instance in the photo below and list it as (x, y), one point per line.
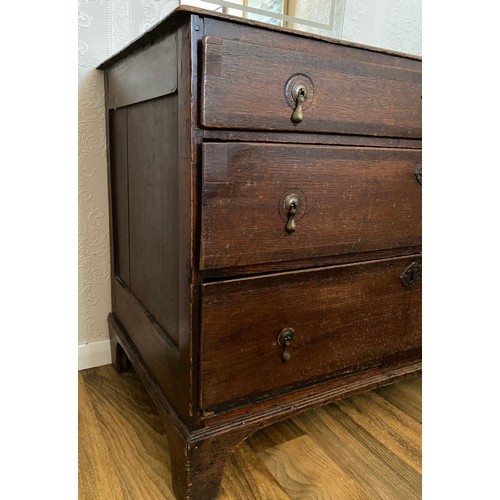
(94, 354)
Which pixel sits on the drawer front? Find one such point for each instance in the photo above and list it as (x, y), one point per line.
(344, 318)
(350, 200)
(348, 90)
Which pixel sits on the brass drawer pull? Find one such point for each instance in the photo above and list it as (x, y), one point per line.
(285, 339)
(299, 93)
(291, 207)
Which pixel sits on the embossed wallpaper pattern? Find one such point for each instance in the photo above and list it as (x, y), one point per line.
(104, 27)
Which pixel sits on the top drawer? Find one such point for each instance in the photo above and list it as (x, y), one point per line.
(347, 90)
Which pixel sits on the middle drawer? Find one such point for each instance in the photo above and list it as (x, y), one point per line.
(267, 203)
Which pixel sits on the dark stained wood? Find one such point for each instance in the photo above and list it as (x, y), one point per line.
(313, 262)
(309, 138)
(351, 200)
(161, 380)
(118, 356)
(205, 280)
(316, 393)
(188, 138)
(143, 341)
(192, 479)
(350, 96)
(119, 189)
(345, 318)
(153, 206)
(144, 75)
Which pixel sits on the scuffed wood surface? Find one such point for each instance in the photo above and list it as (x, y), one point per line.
(345, 318)
(349, 91)
(350, 200)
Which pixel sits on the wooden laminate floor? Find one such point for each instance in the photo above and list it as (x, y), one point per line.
(364, 447)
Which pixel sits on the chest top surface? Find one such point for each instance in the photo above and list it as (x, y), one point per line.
(182, 13)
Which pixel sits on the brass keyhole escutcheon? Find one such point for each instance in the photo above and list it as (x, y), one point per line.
(411, 275)
(285, 339)
(418, 173)
(292, 205)
(299, 93)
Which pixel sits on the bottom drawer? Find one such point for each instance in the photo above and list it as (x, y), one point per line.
(343, 318)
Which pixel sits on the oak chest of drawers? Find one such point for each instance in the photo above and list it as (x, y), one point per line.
(265, 191)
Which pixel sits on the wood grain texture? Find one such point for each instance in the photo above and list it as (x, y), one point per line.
(153, 200)
(345, 318)
(311, 263)
(274, 435)
(340, 451)
(379, 471)
(306, 138)
(144, 75)
(398, 432)
(133, 432)
(347, 94)
(97, 477)
(118, 169)
(405, 396)
(314, 476)
(246, 476)
(146, 342)
(350, 200)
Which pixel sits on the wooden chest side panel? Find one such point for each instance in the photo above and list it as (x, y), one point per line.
(352, 200)
(119, 193)
(151, 344)
(345, 318)
(148, 73)
(153, 209)
(152, 142)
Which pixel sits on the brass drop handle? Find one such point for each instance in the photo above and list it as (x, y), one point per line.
(299, 93)
(291, 207)
(285, 339)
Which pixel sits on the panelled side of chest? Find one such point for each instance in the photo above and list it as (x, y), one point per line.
(152, 165)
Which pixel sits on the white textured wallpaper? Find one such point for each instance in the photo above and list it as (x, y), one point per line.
(93, 232)
(391, 24)
(104, 27)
